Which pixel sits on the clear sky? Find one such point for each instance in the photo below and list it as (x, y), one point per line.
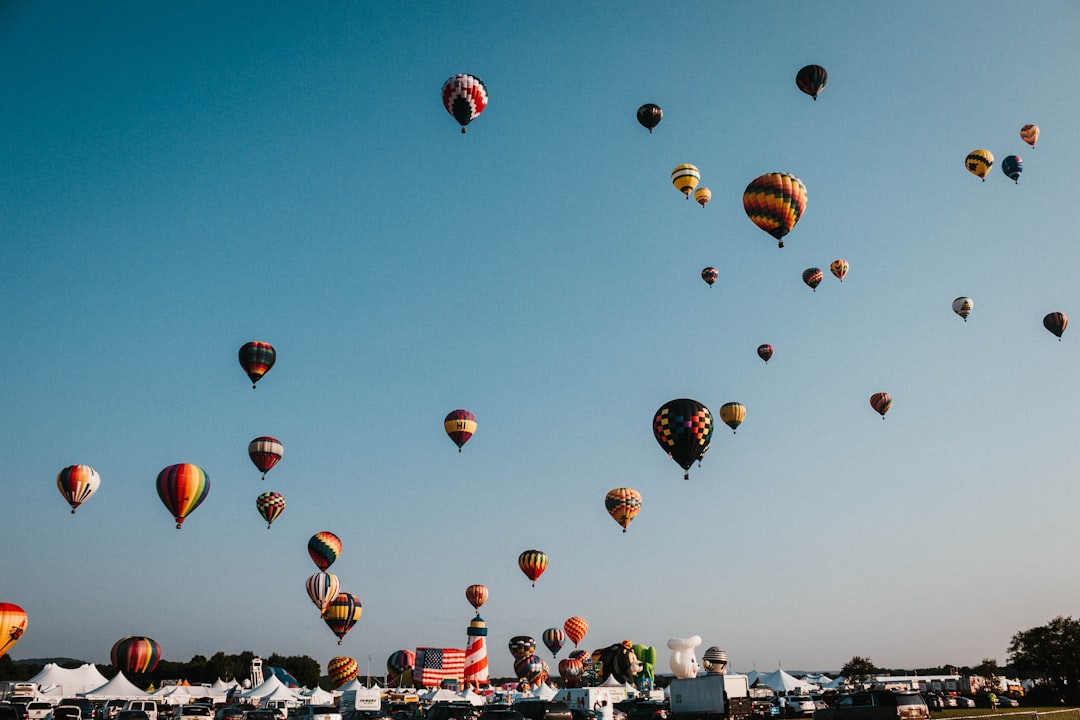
(182, 177)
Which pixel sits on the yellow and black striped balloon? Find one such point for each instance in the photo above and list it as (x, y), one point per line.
(979, 162)
(685, 178)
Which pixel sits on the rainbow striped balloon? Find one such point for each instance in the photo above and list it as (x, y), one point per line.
(182, 488)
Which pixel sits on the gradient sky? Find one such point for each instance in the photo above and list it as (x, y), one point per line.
(181, 178)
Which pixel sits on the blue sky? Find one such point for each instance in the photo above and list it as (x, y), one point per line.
(183, 178)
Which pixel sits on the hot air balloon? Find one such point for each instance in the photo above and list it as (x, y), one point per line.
(623, 504)
(1012, 166)
(533, 563)
(709, 275)
(649, 116)
(979, 162)
(477, 595)
(135, 655)
(765, 352)
(576, 628)
(1030, 134)
(881, 402)
(839, 268)
(77, 483)
(714, 660)
(685, 178)
(963, 306)
(521, 646)
(464, 97)
(12, 626)
(683, 428)
(257, 358)
(270, 505)
(399, 667)
(571, 670)
(732, 414)
(554, 638)
(182, 488)
(324, 548)
(460, 426)
(1056, 322)
(702, 195)
(775, 202)
(322, 587)
(265, 452)
(341, 670)
(532, 668)
(811, 80)
(812, 277)
(341, 614)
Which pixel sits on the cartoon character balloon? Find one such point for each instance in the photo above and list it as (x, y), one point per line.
(1012, 166)
(270, 505)
(683, 660)
(533, 563)
(1056, 322)
(182, 488)
(622, 504)
(554, 638)
(732, 414)
(685, 178)
(811, 80)
(265, 452)
(702, 196)
(1030, 134)
(324, 548)
(342, 614)
(12, 626)
(135, 655)
(979, 162)
(341, 670)
(460, 426)
(77, 483)
(683, 428)
(812, 277)
(257, 358)
(839, 268)
(963, 306)
(715, 661)
(322, 587)
(709, 275)
(464, 97)
(477, 595)
(775, 202)
(881, 402)
(765, 352)
(576, 628)
(649, 115)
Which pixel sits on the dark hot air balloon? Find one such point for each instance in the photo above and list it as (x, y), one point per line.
(1056, 322)
(257, 358)
(881, 402)
(709, 275)
(765, 352)
(1012, 166)
(460, 426)
(811, 80)
(683, 428)
(649, 116)
(135, 655)
(341, 614)
(812, 277)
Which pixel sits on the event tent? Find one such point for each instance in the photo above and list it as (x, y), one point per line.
(782, 682)
(57, 682)
(119, 688)
(268, 687)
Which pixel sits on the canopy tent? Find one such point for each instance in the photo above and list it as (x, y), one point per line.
(267, 687)
(353, 684)
(752, 677)
(545, 692)
(55, 681)
(318, 696)
(119, 688)
(282, 693)
(474, 698)
(782, 682)
(835, 683)
(440, 695)
(225, 687)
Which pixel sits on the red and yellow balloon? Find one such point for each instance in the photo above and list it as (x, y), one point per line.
(12, 626)
(182, 488)
(533, 563)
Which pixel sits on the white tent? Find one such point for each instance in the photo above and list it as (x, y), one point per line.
(119, 688)
(223, 686)
(545, 692)
(353, 684)
(474, 698)
(782, 682)
(318, 696)
(440, 695)
(267, 687)
(58, 682)
(281, 693)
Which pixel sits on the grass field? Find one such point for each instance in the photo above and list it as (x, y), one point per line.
(1044, 713)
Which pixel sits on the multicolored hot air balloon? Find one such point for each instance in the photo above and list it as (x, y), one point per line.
(521, 646)
(554, 638)
(533, 669)
(979, 162)
(685, 178)
(649, 116)
(270, 505)
(881, 402)
(322, 587)
(265, 452)
(257, 358)
(182, 488)
(77, 483)
(839, 268)
(1012, 166)
(341, 670)
(702, 195)
(683, 428)
(135, 655)
(709, 275)
(460, 426)
(341, 614)
(775, 202)
(324, 548)
(571, 669)
(464, 97)
(811, 80)
(12, 626)
(963, 306)
(812, 277)
(1056, 322)
(477, 595)
(1030, 134)
(732, 414)
(623, 504)
(533, 563)
(576, 628)
(765, 352)
(399, 667)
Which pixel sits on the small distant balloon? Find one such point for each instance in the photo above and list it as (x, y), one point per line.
(77, 483)
(811, 80)
(465, 97)
(685, 178)
(477, 595)
(839, 268)
(265, 452)
(979, 162)
(324, 548)
(812, 277)
(649, 116)
(257, 358)
(963, 306)
(1012, 166)
(881, 402)
(1030, 134)
(765, 352)
(270, 505)
(709, 275)
(702, 195)
(460, 426)
(533, 563)
(732, 414)
(1056, 322)
(623, 504)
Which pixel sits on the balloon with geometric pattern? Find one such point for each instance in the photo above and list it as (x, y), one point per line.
(812, 277)
(775, 202)
(533, 563)
(460, 426)
(839, 268)
(521, 646)
(324, 548)
(1030, 134)
(553, 639)
(77, 483)
(322, 587)
(714, 661)
(465, 97)
(623, 504)
(811, 80)
(265, 451)
(979, 162)
(963, 306)
(576, 628)
(257, 358)
(342, 614)
(399, 668)
(683, 428)
(709, 275)
(341, 670)
(881, 402)
(270, 505)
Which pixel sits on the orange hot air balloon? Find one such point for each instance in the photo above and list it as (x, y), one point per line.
(341, 670)
(775, 202)
(12, 626)
(477, 595)
(533, 563)
(1030, 134)
(839, 268)
(576, 628)
(78, 483)
(623, 504)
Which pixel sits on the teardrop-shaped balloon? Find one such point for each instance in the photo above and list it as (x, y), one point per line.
(477, 595)
(324, 548)
(1056, 322)
(270, 505)
(465, 97)
(812, 277)
(265, 452)
(811, 79)
(576, 628)
(135, 655)
(12, 626)
(765, 352)
(979, 162)
(533, 563)
(341, 670)
(683, 428)
(702, 195)
(732, 414)
(1012, 166)
(685, 178)
(182, 488)
(649, 115)
(257, 358)
(623, 505)
(1030, 134)
(775, 202)
(77, 483)
(963, 306)
(709, 275)
(553, 639)
(460, 426)
(571, 669)
(342, 613)
(881, 402)
(322, 587)
(839, 268)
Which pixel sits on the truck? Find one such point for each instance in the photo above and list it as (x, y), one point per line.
(588, 699)
(710, 697)
(360, 699)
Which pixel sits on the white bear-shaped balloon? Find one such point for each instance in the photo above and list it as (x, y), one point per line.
(683, 660)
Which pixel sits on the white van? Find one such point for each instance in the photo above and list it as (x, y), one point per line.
(150, 707)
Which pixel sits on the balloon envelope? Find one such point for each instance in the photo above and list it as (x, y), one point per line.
(77, 483)
(257, 358)
(881, 402)
(709, 275)
(522, 646)
(477, 595)
(1012, 166)
(765, 352)
(811, 80)
(465, 97)
(1030, 134)
(839, 268)
(775, 202)
(554, 638)
(324, 548)
(182, 488)
(270, 505)
(963, 306)
(342, 613)
(649, 116)
(812, 277)
(576, 628)
(134, 655)
(533, 563)
(732, 414)
(622, 504)
(683, 428)
(12, 626)
(1056, 322)
(685, 178)
(979, 162)
(265, 452)
(460, 426)
(341, 670)
(322, 587)
(702, 195)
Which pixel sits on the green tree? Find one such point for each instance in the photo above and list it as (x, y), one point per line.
(858, 669)
(1051, 652)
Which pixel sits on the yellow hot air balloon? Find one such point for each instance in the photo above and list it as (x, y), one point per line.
(979, 162)
(732, 414)
(839, 268)
(12, 626)
(685, 178)
(623, 504)
(703, 195)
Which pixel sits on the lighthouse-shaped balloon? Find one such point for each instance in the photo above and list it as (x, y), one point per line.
(476, 659)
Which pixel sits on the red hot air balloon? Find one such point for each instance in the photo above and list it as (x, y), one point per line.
(324, 548)
(464, 97)
(257, 358)
(265, 452)
(460, 426)
(881, 402)
(270, 505)
(12, 626)
(182, 488)
(135, 655)
(341, 670)
(533, 563)
(1056, 322)
(765, 352)
(77, 483)
(477, 595)
(576, 629)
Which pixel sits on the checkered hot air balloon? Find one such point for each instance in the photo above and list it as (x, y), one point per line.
(464, 97)
(77, 483)
(881, 402)
(270, 505)
(460, 426)
(182, 488)
(257, 358)
(399, 668)
(324, 548)
(811, 80)
(265, 452)
(521, 646)
(622, 504)
(341, 614)
(775, 202)
(576, 629)
(683, 428)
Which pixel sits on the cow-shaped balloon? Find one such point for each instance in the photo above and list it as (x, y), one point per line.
(683, 660)
(620, 662)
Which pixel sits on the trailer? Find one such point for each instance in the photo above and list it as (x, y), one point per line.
(710, 697)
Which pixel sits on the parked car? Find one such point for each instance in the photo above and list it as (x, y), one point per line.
(230, 712)
(799, 706)
(543, 709)
(66, 712)
(369, 715)
(9, 712)
(646, 710)
(877, 705)
(317, 712)
(132, 715)
(503, 713)
(198, 712)
(451, 711)
(1006, 701)
(38, 710)
(150, 707)
(261, 714)
(964, 702)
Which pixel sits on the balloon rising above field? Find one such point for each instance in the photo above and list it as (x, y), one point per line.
(77, 483)
(341, 615)
(12, 626)
(576, 628)
(265, 452)
(683, 428)
(182, 488)
(324, 548)
(775, 202)
(135, 655)
(257, 358)
(464, 97)
(553, 639)
(477, 595)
